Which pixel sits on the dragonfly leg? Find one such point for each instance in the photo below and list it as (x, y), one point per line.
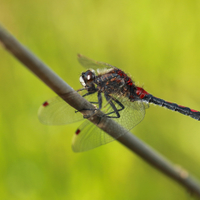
(110, 100)
(99, 102)
(80, 89)
(89, 93)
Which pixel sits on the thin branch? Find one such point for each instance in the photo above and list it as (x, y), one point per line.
(74, 99)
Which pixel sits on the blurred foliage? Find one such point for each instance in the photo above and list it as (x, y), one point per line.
(157, 42)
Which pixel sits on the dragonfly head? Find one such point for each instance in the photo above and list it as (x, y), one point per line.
(87, 78)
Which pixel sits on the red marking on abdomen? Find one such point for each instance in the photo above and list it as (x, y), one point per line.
(179, 105)
(194, 110)
(141, 92)
(78, 131)
(45, 104)
(189, 108)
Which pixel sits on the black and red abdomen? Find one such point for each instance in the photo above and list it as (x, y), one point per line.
(173, 106)
(141, 92)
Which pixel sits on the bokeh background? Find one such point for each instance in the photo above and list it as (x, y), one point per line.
(156, 42)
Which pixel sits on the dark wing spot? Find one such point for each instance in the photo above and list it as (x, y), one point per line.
(45, 104)
(78, 131)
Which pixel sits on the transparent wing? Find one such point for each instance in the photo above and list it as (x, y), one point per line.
(146, 104)
(89, 136)
(56, 111)
(132, 114)
(89, 63)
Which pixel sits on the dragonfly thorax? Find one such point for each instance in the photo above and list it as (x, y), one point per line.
(115, 82)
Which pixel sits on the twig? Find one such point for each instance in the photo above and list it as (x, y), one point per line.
(78, 102)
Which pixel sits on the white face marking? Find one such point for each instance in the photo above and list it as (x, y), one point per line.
(82, 81)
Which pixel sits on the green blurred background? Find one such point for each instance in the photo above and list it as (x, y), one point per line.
(157, 42)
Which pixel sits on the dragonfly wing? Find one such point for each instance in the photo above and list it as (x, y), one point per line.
(89, 136)
(132, 114)
(146, 104)
(56, 111)
(89, 63)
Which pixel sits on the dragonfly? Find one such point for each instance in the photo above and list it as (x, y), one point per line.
(114, 93)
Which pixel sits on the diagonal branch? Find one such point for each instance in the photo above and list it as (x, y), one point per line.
(74, 99)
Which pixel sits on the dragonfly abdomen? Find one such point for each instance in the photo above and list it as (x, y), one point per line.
(173, 106)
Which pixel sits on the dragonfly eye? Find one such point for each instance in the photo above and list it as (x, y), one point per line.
(87, 77)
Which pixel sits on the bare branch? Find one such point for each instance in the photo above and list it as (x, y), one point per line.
(74, 99)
